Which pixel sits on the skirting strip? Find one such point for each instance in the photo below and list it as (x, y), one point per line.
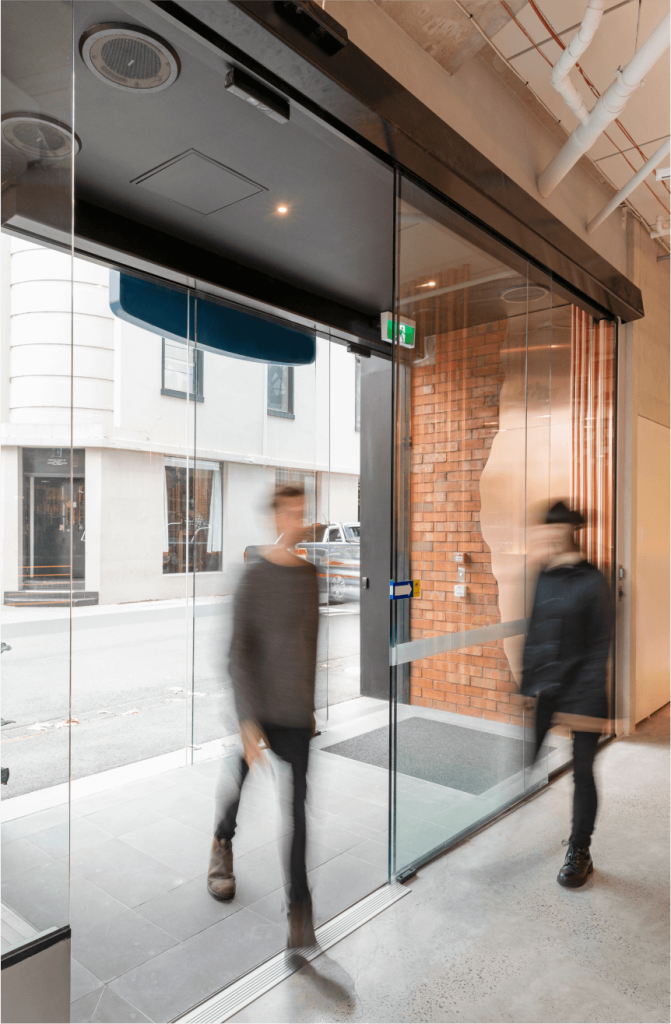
(245, 990)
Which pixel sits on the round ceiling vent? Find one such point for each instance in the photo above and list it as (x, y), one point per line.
(39, 137)
(129, 57)
(524, 293)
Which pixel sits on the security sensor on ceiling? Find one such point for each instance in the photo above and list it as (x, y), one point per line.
(264, 99)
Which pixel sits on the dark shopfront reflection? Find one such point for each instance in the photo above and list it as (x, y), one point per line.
(54, 531)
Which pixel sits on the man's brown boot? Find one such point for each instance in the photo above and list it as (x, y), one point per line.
(220, 877)
(301, 929)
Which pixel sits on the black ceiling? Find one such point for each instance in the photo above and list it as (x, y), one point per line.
(336, 239)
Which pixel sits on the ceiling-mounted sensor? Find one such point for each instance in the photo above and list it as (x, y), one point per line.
(524, 293)
(260, 96)
(129, 57)
(39, 137)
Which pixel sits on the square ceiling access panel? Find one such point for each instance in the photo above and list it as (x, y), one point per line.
(198, 182)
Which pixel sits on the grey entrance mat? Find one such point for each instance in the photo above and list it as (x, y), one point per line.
(450, 755)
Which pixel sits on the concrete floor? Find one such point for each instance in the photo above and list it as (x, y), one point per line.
(487, 934)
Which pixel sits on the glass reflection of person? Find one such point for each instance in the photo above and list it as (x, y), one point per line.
(272, 665)
(565, 662)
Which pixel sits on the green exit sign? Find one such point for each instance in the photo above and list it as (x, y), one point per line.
(405, 329)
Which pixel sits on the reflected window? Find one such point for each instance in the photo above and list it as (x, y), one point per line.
(192, 516)
(280, 390)
(182, 370)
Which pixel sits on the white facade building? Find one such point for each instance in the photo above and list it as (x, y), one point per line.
(134, 447)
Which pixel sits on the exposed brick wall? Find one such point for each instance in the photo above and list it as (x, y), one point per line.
(455, 409)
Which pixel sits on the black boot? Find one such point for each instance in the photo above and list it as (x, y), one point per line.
(577, 866)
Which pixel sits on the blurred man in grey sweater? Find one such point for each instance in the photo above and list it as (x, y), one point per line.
(272, 665)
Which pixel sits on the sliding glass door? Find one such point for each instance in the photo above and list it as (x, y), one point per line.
(503, 404)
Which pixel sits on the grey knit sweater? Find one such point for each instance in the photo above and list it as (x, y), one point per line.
(274, 646)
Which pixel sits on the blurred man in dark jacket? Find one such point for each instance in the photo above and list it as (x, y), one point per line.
(272, 665)
(565, 662)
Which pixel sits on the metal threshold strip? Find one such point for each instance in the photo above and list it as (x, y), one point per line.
(261, 979)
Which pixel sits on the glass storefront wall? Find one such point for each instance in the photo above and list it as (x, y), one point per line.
(504, 404)
(43, 473)
(141, 466)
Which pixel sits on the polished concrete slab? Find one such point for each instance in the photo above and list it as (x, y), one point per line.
(487, 934)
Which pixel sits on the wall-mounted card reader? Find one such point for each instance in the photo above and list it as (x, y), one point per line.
(461, 556)
(459, 590)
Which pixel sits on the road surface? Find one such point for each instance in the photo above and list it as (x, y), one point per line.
(143, 684)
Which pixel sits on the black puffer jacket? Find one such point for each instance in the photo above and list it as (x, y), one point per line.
(566, 651)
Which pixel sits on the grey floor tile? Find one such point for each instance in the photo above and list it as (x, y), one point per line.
(360, 811)
(316, 853)
(116, 946)
(125, 815)
(89, 904)
(23, 855)
(174, 844)
(98, 801)
(176, 799)
(176, 980)
(203, 784)
(81, 981)
(257, 873)
(340, 882)
(104, 1007)
(40, 896)
(199, 816)
(60, 840)
(328, 832)
(360, 828)
(25, 826)
(209, 768)
(187, 910)
(372, 852)
(125, 873)
(82, 1009)
(273, 907)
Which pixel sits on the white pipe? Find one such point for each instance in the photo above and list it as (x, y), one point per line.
(575, 49)
(661, 228)
(606, 109)
(630, 186)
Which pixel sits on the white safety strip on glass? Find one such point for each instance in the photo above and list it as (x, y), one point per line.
(413, 650)
(252, 985)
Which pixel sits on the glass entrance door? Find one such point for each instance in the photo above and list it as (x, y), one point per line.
(489, 431)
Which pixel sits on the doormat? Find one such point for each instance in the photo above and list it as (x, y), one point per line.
(450, 755)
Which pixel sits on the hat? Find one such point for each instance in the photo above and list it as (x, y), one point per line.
(561, 513)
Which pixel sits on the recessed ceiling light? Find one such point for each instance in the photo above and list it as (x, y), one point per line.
(282, 209)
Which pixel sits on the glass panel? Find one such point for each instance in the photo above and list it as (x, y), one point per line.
(503, 396)
(43, 466)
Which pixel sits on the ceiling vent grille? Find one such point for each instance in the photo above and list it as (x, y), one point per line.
(39, 137)
(128, 57)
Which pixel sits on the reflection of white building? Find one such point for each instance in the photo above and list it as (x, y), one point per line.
(142, 454)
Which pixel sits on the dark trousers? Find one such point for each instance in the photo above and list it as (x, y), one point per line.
(293, 746)
(585, 799)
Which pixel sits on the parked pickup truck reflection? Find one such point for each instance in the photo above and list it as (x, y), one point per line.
(335, 550)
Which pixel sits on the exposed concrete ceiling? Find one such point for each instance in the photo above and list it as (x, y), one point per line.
(443, 31)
